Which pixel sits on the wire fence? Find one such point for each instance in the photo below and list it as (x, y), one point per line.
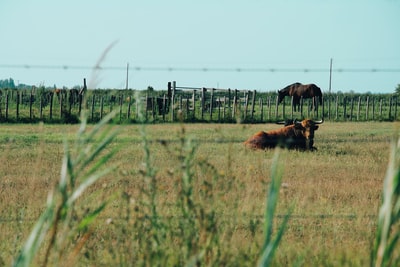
(198, 69)
(188, 104)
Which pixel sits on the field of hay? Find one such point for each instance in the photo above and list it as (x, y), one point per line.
(185, 193)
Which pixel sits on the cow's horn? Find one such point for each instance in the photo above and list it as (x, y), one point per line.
(281, 122)
(319, 122)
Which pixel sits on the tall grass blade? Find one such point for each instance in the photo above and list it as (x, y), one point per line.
(83, 172)
(269, 247)
(388, 233)
(82, 168)
(36, 236)
(85, 223)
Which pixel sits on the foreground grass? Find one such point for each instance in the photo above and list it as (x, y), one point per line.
(335, 193)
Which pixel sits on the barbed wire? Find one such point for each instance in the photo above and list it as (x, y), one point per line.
(199, 69)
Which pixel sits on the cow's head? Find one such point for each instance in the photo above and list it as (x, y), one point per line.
(306, 128)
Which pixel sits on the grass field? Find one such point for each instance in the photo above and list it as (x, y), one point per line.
(192, 193)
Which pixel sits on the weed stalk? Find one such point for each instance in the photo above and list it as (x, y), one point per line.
(388, 233)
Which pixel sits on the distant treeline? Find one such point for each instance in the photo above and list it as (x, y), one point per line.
(7, 83)
(11, 84)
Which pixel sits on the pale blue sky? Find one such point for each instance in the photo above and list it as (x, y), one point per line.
(206, 34)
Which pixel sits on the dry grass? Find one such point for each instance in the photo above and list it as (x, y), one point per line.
(335, 190)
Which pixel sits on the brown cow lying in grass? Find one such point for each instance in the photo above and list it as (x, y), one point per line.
(299, 135)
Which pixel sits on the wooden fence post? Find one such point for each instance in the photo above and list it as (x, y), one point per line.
(301, 102)
(246, 104)
(351, 108)
(203, 102)
(253, 100)
(219, 109)
(80, 99)
(61, 103)
(7, 99)
(180, 101)
(146, 103)
(93, 98)
(18, 98)
(229, 102)
(211, 103)
(269, 107)
(101, 106)
(187, 107)
(373, 108)
(82, 92)
(329, 107)
(234, 107)
(223, 108)
(120, 106)
(292, 107)
(51, 105)
(164, 107)
(344, 108)
(235, 100)
(30, 105)
(110, 103)
(154, 107)
(137, 105)
(313, 106)
(128, 112)
(323, 106)
(173, 101)
(194, 105)
(41, 107)
(337, 108)
(358, 108)
(70, 101)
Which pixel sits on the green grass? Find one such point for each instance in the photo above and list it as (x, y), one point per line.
(81, 168)
(188, 194)
(386, 245)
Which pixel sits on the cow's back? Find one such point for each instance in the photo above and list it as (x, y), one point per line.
(257, 141)
(272, 138)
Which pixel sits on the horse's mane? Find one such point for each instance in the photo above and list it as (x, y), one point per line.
(287, 88)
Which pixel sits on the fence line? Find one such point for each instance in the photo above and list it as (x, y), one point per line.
(266, 108)
(189, 104)
(199, 69)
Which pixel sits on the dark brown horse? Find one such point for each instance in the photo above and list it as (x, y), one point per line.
(298, 91)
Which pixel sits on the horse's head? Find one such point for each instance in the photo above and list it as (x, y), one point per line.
(281, 95)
